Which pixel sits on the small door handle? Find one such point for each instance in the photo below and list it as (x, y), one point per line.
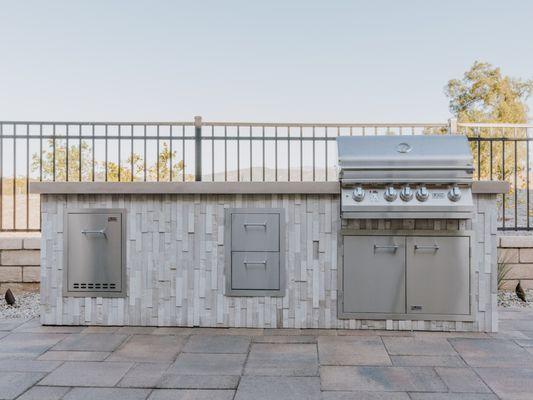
(246, 263)
(96, 232)
(264, 224)
(393, 247)
(432, 247)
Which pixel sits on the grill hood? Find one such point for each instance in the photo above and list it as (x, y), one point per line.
(390, 159)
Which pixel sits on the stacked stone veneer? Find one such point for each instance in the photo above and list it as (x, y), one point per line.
(175, 265)
(19, 261)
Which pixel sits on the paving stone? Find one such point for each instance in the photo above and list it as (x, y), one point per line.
(93, 342)
(100, 329)
(453, 396)
(10, 324)
(136, 330)
(504, 334)
(173, 331)
(373, 332)
(492, 353)
(34, 326)
(385, 379)
(361, 395)
(77, 373)
(282, 360)
(149, 348)
(279, 388)
(418, 346)
(285, 339)
(217, 344)
(462, 380)
(509, 383)
(172, 381)
(520, 324)
(44, 393)
(283, 331)
(107, 393)
(75, 355)
(208, 364)
(144, 375)
(427, 361)
(28, 365)
(349, 350)
(524, 342)
(12, 384)
(177, 394)
(27, 345)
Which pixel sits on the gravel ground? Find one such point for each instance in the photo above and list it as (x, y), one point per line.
(509, 299)
(27, 306)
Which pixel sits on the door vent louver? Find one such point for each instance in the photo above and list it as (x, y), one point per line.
(94, 286)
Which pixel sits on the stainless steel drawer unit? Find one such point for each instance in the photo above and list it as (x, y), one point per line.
(255, 252)
(94, 253)
(405, 276)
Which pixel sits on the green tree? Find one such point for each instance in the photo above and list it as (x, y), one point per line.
(54, 164)
(485, 95)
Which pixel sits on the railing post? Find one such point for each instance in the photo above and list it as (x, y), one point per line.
(198, 148)
(452, 126)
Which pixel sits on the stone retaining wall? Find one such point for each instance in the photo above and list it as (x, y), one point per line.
(19, 261)
(517, 253)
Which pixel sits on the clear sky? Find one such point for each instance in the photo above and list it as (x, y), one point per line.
(331, 61)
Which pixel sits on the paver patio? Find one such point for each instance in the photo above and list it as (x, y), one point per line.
(39, 362)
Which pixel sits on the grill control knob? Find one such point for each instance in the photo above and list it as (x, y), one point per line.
(454, 194)
(422, 193)
(358, 194)
(390, 193)
(406, 193)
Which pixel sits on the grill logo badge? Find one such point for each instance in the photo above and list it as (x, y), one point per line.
(403, 148)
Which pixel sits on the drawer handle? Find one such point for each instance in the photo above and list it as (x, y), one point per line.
(246, 263)
(434, 247)
(96, 232)
(393, 247)
(264, 224)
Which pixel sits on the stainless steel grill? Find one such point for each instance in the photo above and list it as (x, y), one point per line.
(405, 177)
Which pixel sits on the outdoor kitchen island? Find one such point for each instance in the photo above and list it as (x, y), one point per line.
(182, 261)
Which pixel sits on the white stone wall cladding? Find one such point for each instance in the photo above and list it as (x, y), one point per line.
(176, 255)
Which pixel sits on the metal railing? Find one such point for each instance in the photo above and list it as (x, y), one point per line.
(213, 151)
(502, 152)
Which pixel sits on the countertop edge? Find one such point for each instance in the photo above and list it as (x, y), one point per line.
(490, 187)
(184, 187)
(478, 187)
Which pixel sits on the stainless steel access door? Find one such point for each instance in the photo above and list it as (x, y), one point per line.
(438, 275)
(255, 231)
(253, 270)
(374, 274)
(94, 253)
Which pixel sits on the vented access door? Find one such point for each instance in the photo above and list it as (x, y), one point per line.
(94, 253)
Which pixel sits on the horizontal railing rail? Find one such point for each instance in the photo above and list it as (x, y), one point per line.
(177, 151)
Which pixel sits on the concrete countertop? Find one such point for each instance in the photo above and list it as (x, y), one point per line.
(478, 187)
(185, 187)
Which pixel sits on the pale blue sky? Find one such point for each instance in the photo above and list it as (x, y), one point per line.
(336, 61)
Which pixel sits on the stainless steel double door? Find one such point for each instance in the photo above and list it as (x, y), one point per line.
(406, 275)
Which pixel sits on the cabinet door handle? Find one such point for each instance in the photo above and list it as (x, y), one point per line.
(246, 263)
(393, 247)
(263, 224)
(96, 232)
(422, 247)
